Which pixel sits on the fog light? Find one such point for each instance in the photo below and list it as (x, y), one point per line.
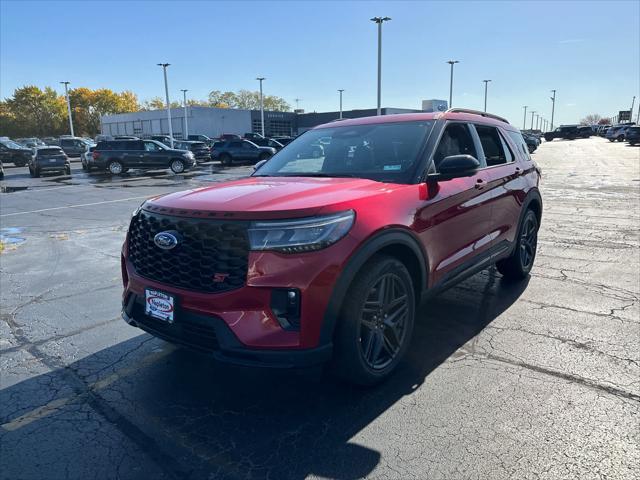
(285, 305)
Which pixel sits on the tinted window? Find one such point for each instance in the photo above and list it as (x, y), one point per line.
(516, 137)
(66, 143)
(455, 140)
(492, 145)
(49, 151)
(235, 144)
(151, 147)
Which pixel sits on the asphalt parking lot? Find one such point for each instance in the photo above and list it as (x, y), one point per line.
(537, 380)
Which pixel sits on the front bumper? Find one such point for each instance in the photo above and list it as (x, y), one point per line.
(212, 336)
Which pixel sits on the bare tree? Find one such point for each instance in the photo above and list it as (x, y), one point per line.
(591, 119)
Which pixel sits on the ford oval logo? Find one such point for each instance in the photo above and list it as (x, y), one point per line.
(166, 240)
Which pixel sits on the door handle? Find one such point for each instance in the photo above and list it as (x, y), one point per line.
(479, 184)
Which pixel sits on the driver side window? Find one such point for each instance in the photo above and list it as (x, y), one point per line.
(151, 147)
(456, 140)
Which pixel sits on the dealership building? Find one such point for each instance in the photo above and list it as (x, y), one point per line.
(213, 122)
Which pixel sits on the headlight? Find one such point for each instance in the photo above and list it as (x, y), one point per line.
(137, 210)
(300, 235)
(188, 155)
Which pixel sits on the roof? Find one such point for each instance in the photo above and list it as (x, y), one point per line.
(464, 116)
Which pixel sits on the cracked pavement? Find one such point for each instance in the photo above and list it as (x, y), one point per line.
(535, 380)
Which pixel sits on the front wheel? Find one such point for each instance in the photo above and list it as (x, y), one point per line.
(620, 138)
(519, 264)
(376, 322)
(67, 170)
(612, 139)
(177, 166)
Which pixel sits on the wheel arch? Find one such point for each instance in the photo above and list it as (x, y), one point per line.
(397, 243)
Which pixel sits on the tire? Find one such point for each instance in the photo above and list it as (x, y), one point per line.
(225, 159)
(612, 139)
(36, 172)
(364, 328)
(115, 167)
(620, 138)
(519, 264)
(67, 170)
(84, 165)
(31, 172)
(177, 166)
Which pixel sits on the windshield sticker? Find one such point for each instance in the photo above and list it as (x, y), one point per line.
(392, 167)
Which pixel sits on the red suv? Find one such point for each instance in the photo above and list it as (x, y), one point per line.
(325, 252)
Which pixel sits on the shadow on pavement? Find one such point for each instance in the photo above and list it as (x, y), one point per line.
(192, 418)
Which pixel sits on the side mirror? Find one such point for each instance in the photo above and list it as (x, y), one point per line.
(259, 164)
(455, 166)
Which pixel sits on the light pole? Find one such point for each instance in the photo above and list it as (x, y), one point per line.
(66, 94)
(186, 123)
(341, 90)
(297, 100)
(166, 93)
(537, 121)
(553, 107)
(452, 63)
(260, 79)
(380, 21)
(524, 122)
(532, 114)
(486, 82)
(631, 111)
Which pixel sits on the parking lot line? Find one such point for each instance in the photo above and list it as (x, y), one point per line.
(75, 206)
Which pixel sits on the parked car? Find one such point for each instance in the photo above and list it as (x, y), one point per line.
(566, 132)
(87, 158)
(50, 140)
(12, 152)
(283, 140)
(100, 138)
(49, 159)
(313, 260)
(200, 151)
(73, 146)
(164, 139)
(118, 156)
(602, 131)
(616, 133)
(1, 171)
(532, 141)
(232, 150)
(126, 137)
(633, 135)
(30, 142)
(201, 138)
(229, 136)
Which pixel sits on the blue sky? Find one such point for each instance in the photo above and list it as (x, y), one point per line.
(588, 51)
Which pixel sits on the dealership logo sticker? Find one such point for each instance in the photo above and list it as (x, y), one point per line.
(159, 305)
(166, 240)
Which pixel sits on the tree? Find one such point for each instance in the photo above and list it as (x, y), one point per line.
(604, 121)
(32, 111)
(591, 119)
(247, 100)
(157, 103)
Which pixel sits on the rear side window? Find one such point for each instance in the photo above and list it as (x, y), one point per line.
(521, 145)
(493, 146)
(235, 145)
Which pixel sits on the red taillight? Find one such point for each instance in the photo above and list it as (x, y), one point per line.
(95, 155)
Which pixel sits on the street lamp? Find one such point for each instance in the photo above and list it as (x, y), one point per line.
(66, 94)
(524, 122)
(341, 90)
(297, 100)
(553, 107)
(631, 111)
(537, 120)
(186, 123)
(532, 114)
(380, 21)
(451, 62)
(486, 82)
(260, 79)
(166, 93)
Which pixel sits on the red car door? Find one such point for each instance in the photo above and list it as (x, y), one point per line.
(454, 222)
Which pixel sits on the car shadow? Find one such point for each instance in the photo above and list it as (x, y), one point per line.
(199, 419)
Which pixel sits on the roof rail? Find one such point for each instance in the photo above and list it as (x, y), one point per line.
(476, 112)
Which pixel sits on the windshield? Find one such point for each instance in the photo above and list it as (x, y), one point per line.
(387, 152)
(11, 144)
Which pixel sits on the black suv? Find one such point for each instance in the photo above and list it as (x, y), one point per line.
(567, 132)
(73, 146)
(201, 138)
(231, 150)
(49, 159)
(118, 156)
(199, 149)
(12, 152)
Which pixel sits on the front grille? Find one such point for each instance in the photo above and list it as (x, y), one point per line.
(212, 255)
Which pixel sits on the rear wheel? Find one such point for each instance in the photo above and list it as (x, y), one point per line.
(612, 139)
(519, 264)
(225, 159)
(115, 167)
(376, 322)
(177, 166)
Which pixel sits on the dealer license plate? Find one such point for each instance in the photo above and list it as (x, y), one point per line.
(159, 305)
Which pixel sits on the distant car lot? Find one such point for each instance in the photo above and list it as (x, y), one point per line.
(502, 382)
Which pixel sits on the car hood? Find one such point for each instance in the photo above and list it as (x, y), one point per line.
(270, 197)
